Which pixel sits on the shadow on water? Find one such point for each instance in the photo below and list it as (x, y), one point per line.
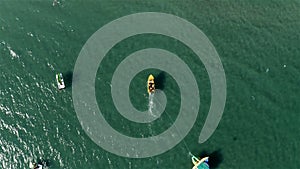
(160, 80)
(215, 158)
(68, 79)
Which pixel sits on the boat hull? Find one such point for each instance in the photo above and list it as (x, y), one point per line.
(150, 84)
(60, 81)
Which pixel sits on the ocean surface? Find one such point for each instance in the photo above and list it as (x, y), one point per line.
(257, 41)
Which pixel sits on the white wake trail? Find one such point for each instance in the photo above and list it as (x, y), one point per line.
(151, 105)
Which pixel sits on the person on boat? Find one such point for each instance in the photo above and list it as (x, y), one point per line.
(151, 87)
(59, 79)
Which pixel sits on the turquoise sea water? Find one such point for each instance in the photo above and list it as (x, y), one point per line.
(258, 43)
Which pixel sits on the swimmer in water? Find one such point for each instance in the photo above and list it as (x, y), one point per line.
(55, 2)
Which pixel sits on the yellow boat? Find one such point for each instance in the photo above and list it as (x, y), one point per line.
(150, 84)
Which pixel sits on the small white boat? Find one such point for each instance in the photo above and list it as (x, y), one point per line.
(60, 81)
(200, 163)
(33, 165)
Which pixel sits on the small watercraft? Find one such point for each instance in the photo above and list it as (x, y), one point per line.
(60, 81)
(200, 164)
(150, 84)
(33, 165)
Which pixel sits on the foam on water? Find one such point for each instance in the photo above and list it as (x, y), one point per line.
(151, 105)
(12, 53)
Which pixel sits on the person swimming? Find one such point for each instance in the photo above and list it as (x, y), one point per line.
(55, 2)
